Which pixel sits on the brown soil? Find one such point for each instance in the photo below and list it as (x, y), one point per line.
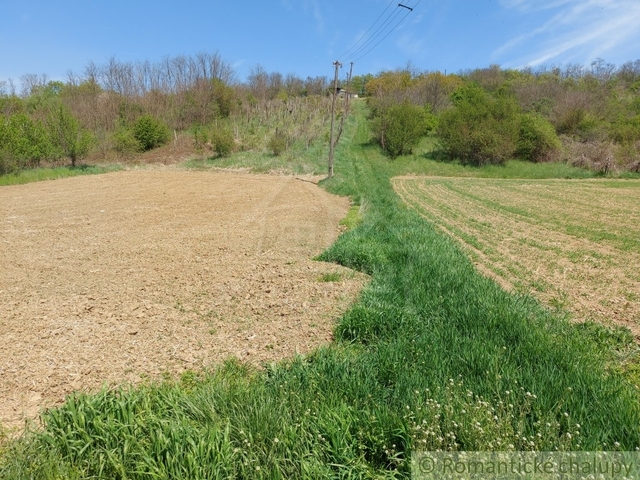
(114, 278)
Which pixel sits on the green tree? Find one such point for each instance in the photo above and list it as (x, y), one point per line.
(67, 137)
(398, 128)
(537, 139)
(23, 143)
(480, 129)
(150, 132)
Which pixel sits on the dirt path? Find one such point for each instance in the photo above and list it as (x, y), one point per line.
(117, 277)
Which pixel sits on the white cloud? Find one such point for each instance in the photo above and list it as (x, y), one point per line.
(410, 45)
(309, 5)
(576, 29)
(314, 6)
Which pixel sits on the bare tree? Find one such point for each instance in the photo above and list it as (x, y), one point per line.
(293, 85)
(31, 82)
(316, 85)
(258, 81)
(602, 70)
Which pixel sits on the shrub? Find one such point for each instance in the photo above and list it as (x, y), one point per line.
(24, 142)
(199, 137)
(223, 141)
(596, 156)
(625, 131)
(150, 132)
(8, 164)
(125, 142)
(628, 156)
(479, 129)
(278, 143)
(537, 139)
(399, 127)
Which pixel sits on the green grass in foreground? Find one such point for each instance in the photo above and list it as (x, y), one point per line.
(432, 356)
(39, 174)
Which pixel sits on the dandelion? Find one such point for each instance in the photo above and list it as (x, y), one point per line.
(275, 440)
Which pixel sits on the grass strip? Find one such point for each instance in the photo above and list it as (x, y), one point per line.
(54, 173)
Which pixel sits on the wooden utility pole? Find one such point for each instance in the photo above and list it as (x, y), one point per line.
(338, 65)
(346, 110)
(346, 106)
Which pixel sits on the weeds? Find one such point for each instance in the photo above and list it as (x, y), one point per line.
(330, 277)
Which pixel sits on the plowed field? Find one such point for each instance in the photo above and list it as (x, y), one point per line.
(573, 244)
(131, 275)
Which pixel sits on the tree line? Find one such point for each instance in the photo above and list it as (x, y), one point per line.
(122, 108)
(588, 116)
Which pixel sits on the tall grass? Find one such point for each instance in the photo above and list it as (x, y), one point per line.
(432, 356)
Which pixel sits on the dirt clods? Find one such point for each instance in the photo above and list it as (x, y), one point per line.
(119, 277)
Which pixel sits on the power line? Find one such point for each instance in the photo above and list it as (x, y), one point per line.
(365, 33)
(379, 31)
(390, 32)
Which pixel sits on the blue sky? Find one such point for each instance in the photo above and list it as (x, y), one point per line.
(306, 36)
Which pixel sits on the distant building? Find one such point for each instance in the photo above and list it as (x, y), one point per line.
(342, 92)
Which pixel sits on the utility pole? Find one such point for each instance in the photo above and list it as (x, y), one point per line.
(348, 90)
(346, 106)
(338, 65)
